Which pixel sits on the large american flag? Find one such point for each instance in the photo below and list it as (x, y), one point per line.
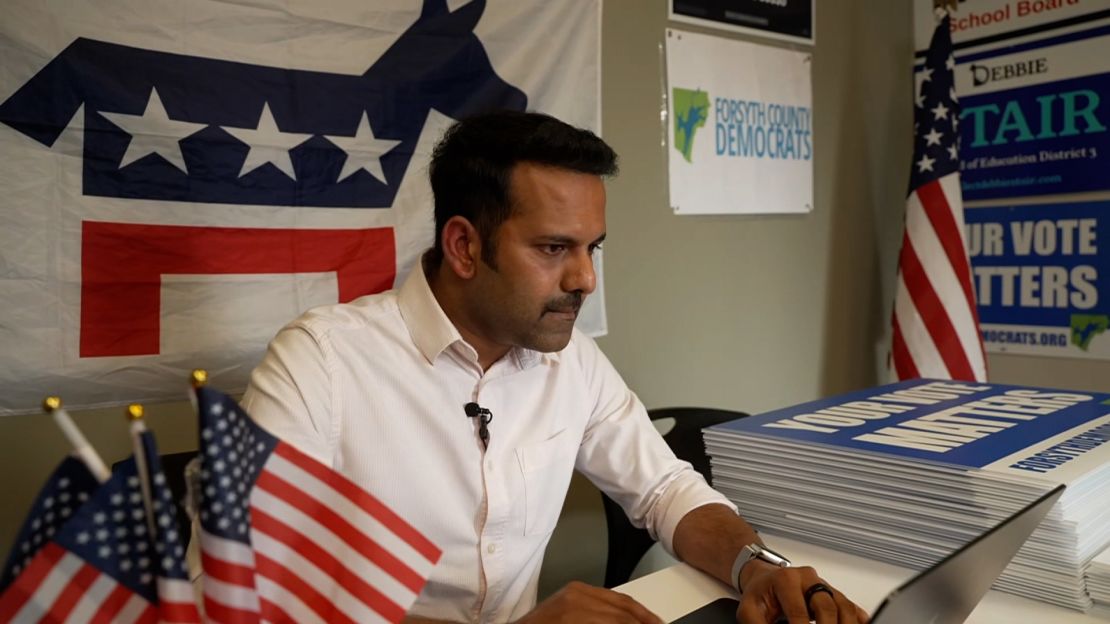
(285, 538)
(111, 561)
(936, 324)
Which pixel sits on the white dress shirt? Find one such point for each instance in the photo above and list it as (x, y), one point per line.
(376, 388)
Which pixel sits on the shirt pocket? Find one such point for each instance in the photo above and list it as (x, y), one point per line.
(547, 467)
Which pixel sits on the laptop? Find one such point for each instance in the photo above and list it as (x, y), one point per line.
(945, 593)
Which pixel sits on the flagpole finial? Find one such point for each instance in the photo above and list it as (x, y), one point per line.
(51, 403)
(199, 377)
(945, 5)
(134, 412)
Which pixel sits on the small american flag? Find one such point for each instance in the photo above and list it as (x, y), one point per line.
(936, 324)
(109, 562)
(285, 538)
(65, 491)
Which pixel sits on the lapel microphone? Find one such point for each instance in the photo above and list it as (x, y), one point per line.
(484, 416)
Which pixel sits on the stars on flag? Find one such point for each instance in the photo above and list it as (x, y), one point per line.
(268, 144)
(364, 151)
(155, 133)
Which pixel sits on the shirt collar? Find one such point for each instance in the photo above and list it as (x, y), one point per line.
(433, 332)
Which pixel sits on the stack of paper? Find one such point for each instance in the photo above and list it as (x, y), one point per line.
(1098, 578)
(909, 472)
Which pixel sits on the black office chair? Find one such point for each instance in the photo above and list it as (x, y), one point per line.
(173, 465)
(627, 544)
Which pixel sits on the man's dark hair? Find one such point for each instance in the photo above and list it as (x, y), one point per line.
(473, 162)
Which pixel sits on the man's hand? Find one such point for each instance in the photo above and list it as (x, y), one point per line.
(581, 603)
(771, 592)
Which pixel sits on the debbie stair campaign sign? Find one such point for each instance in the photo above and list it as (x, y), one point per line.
(908, 472)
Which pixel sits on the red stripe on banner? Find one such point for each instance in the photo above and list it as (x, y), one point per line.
(344, 530)
(24, 586)
(216, 611)
(328, 564)
(76, 587)
(933, 314)
(111, 605)
(273, 613)
(295, 585)
(903, 361)
(148, 616)
(177, 611)
(940, 215)
(362, 499)
(122, 265)
(231, 573)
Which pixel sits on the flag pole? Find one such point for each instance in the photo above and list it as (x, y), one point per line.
(81, 447)
(134, 415)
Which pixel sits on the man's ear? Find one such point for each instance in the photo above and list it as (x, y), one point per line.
(462, 248)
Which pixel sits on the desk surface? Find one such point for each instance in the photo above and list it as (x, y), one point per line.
(679, 589)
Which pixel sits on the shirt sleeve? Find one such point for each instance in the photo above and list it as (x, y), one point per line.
(624, 456)
(290, 393)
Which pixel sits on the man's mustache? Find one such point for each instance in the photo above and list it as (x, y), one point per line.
(571, 302)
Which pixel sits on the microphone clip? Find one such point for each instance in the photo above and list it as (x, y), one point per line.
(484, 416)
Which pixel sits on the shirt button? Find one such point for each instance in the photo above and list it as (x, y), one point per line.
(492, 548)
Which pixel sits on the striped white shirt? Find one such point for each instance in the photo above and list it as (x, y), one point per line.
(376, 388)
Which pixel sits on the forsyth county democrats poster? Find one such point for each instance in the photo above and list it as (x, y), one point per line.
(182, 178)
(739, 128)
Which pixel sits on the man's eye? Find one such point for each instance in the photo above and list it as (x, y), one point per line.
(594, 248)
(553, 249)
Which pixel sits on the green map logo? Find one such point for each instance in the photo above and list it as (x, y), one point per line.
(691, 108)
(1084, 327)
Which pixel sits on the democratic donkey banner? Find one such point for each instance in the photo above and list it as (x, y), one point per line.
(739, 127)
(1033, 80)
(182, 178)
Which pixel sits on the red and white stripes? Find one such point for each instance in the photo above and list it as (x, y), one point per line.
(936, 323)
(322, 550)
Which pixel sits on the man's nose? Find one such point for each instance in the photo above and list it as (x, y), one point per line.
(580, 275)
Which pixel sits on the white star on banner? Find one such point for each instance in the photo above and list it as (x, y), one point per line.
(153, 132)
(927, 74)
(364, 151)
(925, 164)
(952, 153)
(268, 144)
(933, 138)
(940, 111)
(950, 63)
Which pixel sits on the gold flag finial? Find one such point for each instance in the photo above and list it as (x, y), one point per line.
(51, 403)
(134, 412)
(199, 377)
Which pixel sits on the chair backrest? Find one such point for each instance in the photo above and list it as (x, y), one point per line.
(627, 544)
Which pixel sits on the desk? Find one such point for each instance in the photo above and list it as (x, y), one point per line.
(679, 589)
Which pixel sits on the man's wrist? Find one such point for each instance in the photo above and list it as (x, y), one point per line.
(750, 560)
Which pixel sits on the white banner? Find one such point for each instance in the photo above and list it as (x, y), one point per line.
(182, 178)
(740, 127)
(983, 19)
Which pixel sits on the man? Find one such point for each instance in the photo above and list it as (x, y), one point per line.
(379, 389)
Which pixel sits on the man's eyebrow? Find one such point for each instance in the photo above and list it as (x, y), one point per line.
(560, 239)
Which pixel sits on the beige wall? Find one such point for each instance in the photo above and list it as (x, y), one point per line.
(747, 313)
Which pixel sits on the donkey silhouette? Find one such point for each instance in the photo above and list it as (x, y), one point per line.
(438, 63)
